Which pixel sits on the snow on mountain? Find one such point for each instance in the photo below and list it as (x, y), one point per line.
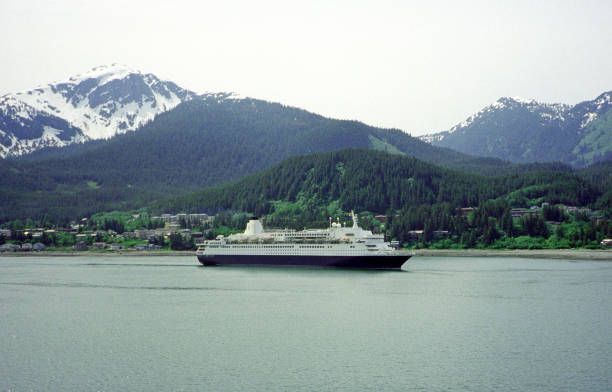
(524, 130)
(590, 111)
(101, 103)
(24, 129)
(546, 111)
(433, 137)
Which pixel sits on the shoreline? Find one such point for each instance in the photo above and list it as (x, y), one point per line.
(174, 253)
(565, 254)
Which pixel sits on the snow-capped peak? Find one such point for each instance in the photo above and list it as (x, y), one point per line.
(603, 100)
(546, 112)
(105, 73)
(523, 100)
(107, 100)
(100, 103)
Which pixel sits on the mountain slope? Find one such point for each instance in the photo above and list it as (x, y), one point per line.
(24, 128)
(223, 118)
(527, 131)
(101, 103)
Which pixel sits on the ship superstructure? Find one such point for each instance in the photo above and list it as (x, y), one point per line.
(335, 246)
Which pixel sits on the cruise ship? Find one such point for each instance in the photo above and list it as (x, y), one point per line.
(335, 246)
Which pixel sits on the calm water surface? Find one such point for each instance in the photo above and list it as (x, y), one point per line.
(445, 324)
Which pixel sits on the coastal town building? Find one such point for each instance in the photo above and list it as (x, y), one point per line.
(464, 211)
(80, 246)
(115, 247)
(415, 234)
(145, 247)
(441, 233)
(9, 248)
(381, 218)
(170, 218)
(520, 212)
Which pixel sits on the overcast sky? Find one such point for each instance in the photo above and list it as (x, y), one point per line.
(419, 66)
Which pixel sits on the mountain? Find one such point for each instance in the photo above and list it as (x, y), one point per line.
(98, 104)
(224, 120)
(528, 131)
(204, 141)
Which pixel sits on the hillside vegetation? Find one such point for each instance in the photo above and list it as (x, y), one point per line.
(202, 142)
(375, 181)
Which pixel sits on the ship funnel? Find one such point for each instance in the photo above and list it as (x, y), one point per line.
(253, 227)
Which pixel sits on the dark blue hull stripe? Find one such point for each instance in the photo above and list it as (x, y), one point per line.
(369, 262)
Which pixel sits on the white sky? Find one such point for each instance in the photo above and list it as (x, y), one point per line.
(420, 66)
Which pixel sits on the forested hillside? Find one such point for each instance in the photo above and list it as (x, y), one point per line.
(375, 181)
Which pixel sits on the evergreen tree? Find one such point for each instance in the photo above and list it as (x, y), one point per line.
(428, 232)
(507, 224)
(553, 213)
(534, 225)
(176, 241)
(490, 232)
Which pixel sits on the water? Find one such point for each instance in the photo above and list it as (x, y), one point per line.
(163, 323)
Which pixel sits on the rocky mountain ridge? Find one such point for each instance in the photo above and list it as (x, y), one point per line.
(524, 131)
(99, 104)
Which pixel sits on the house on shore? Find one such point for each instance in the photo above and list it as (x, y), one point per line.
(9, 248)
(115, 247)
(80, 246)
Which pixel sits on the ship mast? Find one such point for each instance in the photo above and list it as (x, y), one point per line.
(355, 220)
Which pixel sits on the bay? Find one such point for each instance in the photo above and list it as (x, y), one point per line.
(442, 324)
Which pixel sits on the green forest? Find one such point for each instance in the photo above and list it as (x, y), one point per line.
(416, 196)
